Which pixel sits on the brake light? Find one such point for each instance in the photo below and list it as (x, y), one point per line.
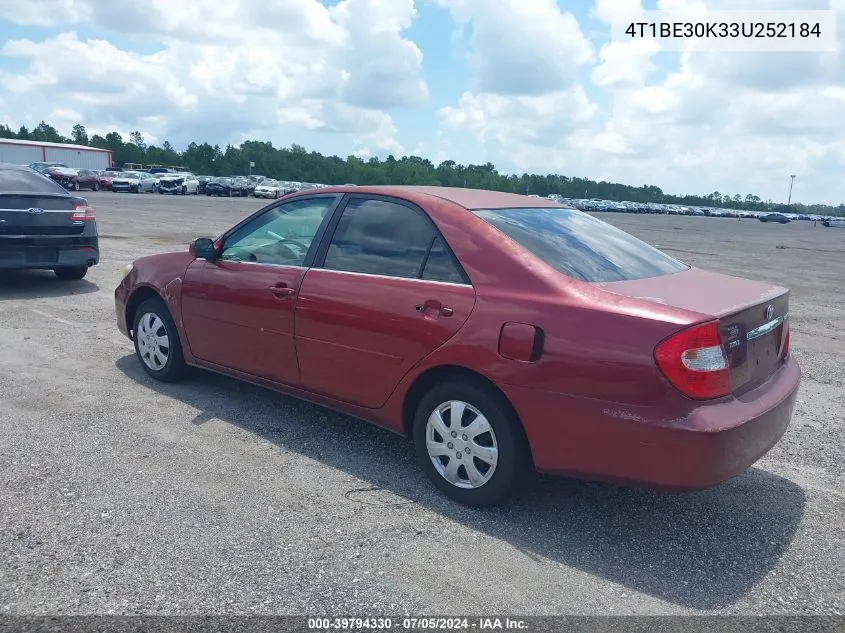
(81, 213)
(695, 362)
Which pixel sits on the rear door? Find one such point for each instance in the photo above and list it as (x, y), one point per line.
(385, 291)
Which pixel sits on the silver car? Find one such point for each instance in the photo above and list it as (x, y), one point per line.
(134, 182)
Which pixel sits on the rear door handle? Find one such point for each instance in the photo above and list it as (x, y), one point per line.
(281, 289)
(434, 306)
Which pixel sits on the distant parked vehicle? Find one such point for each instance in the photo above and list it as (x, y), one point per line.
(42, 226)
(74, 179)
(42, 167)
(240, 186)
(134, 182)
(106, 177)
(202, 181)
(834, 223)
(775, 217)
(178, 183)
(269, 189)
(220, 186)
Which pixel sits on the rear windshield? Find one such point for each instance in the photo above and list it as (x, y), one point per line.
(27, 181)
(581, 246)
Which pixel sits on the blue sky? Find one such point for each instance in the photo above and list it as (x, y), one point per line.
(529, 85)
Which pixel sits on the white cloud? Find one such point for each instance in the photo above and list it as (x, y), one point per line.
(541, 96)
(689, 122)
(253, 68)
(522, 47)
(525, 60)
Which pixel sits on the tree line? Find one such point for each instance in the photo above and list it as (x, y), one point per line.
(295, 163)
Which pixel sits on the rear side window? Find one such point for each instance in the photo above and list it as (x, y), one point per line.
(581, 246)
(380, 238)
(441, 265)
(27, 181)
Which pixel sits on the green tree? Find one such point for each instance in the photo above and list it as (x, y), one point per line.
(79, 135)
(47, 133)
(137, 139)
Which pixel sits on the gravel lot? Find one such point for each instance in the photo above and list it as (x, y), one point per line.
(122, 495)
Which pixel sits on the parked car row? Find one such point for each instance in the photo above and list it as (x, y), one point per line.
(598, 205)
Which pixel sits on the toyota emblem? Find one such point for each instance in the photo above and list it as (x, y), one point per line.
(770, 311)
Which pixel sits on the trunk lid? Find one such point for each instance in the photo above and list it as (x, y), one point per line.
(39, 214)
(753, 316)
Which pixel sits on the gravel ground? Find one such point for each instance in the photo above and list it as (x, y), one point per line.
(122, 495)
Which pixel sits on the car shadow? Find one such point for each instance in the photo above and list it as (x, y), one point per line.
(28, 284)
(702, 550)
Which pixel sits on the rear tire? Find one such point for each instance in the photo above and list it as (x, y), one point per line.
(157, 342)
(96, 186)
(498, 458)
(74, 273)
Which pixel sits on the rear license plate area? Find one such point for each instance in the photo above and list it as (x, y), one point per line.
(42, 255)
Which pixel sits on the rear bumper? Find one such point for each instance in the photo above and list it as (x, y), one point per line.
(49, 252)
(710, 444)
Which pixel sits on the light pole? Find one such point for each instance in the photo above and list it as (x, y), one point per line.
(791, 181)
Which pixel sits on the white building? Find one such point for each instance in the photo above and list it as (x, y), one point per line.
(20, 152)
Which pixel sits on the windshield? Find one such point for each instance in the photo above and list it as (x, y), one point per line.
(130, 174)
(223, 181)
(581, 246)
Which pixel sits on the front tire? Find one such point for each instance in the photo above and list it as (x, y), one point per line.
(74, 273)
(470, 443)
(157, 342)
(96, 186)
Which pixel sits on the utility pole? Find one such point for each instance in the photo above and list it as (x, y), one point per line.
(791, 181)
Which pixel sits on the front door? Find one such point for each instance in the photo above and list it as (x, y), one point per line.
(388, 293)
(238, 310)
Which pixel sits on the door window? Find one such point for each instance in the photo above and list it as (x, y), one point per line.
(380, 238)
(280, 236)
(441, 265)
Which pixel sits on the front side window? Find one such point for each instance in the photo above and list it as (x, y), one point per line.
(581, 246)
(280, 236)
(378, 237)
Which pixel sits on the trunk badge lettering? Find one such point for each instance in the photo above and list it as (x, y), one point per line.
(770, 311)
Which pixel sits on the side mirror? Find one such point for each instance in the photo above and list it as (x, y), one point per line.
(203, 248)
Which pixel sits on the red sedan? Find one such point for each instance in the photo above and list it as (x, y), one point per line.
(504, 333)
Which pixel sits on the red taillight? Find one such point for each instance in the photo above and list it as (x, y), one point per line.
(82, 213)
(694, 361)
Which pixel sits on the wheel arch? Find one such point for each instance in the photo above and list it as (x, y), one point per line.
(442, 373)
(138, 296)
